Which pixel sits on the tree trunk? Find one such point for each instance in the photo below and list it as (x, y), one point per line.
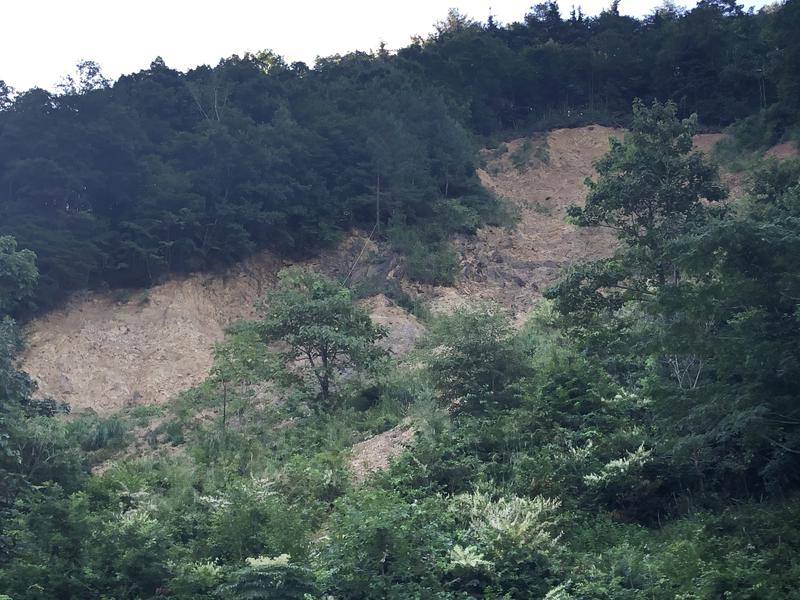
(224, 412)
(325, 379)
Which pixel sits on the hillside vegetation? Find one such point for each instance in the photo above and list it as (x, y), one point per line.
(162, 172)
(602, 405)
(106, 350)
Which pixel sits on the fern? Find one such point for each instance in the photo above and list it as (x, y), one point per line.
(271, 578)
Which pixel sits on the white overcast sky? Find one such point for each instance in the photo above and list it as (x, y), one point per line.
(41, 40)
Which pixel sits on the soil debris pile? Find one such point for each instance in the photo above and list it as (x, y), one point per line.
(514, 266)
(374, 454)
(113, 350)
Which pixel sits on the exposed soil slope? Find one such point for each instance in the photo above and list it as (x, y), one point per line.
(784, 150)
(514, 266)
(108, 351)
(375, 453)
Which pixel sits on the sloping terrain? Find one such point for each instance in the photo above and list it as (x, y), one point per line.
(375, 453)
(108, 351)
(784, 150)
(514, 267)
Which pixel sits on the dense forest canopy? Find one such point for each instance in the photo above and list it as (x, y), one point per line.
(166, 172)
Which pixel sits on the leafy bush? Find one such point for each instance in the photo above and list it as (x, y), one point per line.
(529, 149)
(276, 578)
(473, 360)
(195, 580)
(96, 433)
(427, 257)
(380, 545)
(250, 518)
(517, 536)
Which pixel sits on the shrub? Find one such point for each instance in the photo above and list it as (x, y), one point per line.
(473, 360)
(381, 546)
(272, 578)
(250, 518)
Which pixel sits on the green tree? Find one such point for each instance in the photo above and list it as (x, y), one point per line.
(697, 309)
(240, 358)
(18, 275)
(728, 341)
(271, 579)
(474, 360)
(651, 189)
(318, 321)
(651, 185)
(6, 94)
(15, 390)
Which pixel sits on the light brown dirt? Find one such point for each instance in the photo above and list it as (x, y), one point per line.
(514, 266)
(105, 352)
(376, 453)
(784, 151)
(109, 351)
(705, 142)
(403, 328)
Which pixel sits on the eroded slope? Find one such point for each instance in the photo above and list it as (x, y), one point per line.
(514, 266)
(108, 351)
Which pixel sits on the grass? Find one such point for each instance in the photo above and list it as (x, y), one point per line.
(529, 151)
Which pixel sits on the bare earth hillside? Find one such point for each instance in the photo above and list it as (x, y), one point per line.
(108, 351)
(514, 266)
(784, 150)
(375, 453)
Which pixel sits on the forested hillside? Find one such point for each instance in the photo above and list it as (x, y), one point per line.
(163, 172)
(633, 434)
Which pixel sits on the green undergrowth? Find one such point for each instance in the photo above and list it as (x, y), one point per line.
(506, 499)
(742, 149)
(636, 439)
